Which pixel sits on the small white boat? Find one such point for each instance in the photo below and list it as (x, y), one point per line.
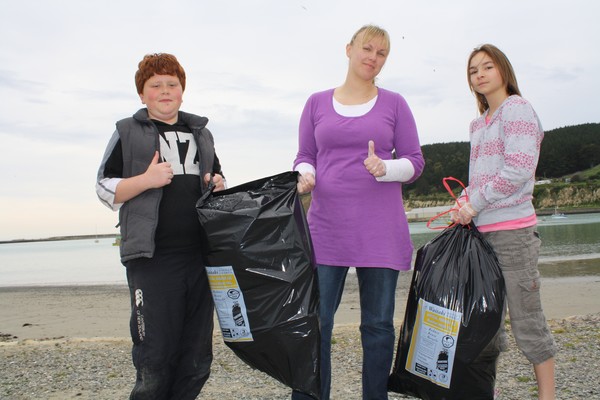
(558, 215)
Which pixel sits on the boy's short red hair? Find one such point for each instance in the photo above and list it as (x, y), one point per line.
(158, 64)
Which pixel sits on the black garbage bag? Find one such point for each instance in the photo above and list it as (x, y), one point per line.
(454, 310)
(260, 265)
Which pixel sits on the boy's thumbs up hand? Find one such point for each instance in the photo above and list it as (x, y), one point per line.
(154, 159)
(374, 164)
(158, 174)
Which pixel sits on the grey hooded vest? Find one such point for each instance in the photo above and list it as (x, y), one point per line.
(138, 217)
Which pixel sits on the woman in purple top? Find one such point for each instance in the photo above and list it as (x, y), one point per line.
(357, 144)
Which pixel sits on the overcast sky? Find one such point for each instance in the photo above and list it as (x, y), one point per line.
(67, 67)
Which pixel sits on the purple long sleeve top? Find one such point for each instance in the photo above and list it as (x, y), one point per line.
(355, 220)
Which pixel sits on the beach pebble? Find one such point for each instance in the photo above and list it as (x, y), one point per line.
(101, 369)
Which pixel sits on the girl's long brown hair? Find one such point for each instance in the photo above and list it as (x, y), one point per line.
(506, 72)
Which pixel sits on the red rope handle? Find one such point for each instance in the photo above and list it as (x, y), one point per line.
(455, 208)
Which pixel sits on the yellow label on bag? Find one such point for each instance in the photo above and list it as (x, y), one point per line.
(229, 304)
(433, 343)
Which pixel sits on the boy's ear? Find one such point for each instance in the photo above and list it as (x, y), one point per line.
(141, 98)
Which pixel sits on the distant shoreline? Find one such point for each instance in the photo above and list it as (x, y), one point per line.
(425, 214)
(549, 211)
(543, 212)
(57, 238)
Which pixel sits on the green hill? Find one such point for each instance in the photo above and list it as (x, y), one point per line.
(568, 172)
(569, 158)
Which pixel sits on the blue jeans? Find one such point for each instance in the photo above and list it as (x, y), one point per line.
(377, 288)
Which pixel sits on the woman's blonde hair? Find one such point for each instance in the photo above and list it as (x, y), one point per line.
(371, 31)
(506, 72)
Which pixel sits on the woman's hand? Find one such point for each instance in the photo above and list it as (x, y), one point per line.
(374, 164)
(306, 183)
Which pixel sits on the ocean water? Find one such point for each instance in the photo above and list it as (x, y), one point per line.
(570, 247)
(62, 262)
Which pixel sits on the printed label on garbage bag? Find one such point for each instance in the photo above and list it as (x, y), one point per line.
(433, 343)
(229, 303)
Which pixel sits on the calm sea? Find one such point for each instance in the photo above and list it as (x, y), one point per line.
(570, 247)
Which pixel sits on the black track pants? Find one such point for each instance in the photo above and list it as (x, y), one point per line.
(171, 325)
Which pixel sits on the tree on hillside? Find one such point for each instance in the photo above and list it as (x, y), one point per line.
(441, 160)
(564, 151)
(569, 150)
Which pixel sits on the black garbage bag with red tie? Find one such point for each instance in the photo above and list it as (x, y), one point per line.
(453, 312)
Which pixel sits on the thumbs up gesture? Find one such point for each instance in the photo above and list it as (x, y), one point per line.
(374, 164)
(158, 174)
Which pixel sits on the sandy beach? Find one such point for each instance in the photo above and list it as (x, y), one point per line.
(84, 330)
(35, 313)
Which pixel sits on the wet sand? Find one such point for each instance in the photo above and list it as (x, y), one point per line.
(47, 312)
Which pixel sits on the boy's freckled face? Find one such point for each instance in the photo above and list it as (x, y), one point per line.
(163, 96)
